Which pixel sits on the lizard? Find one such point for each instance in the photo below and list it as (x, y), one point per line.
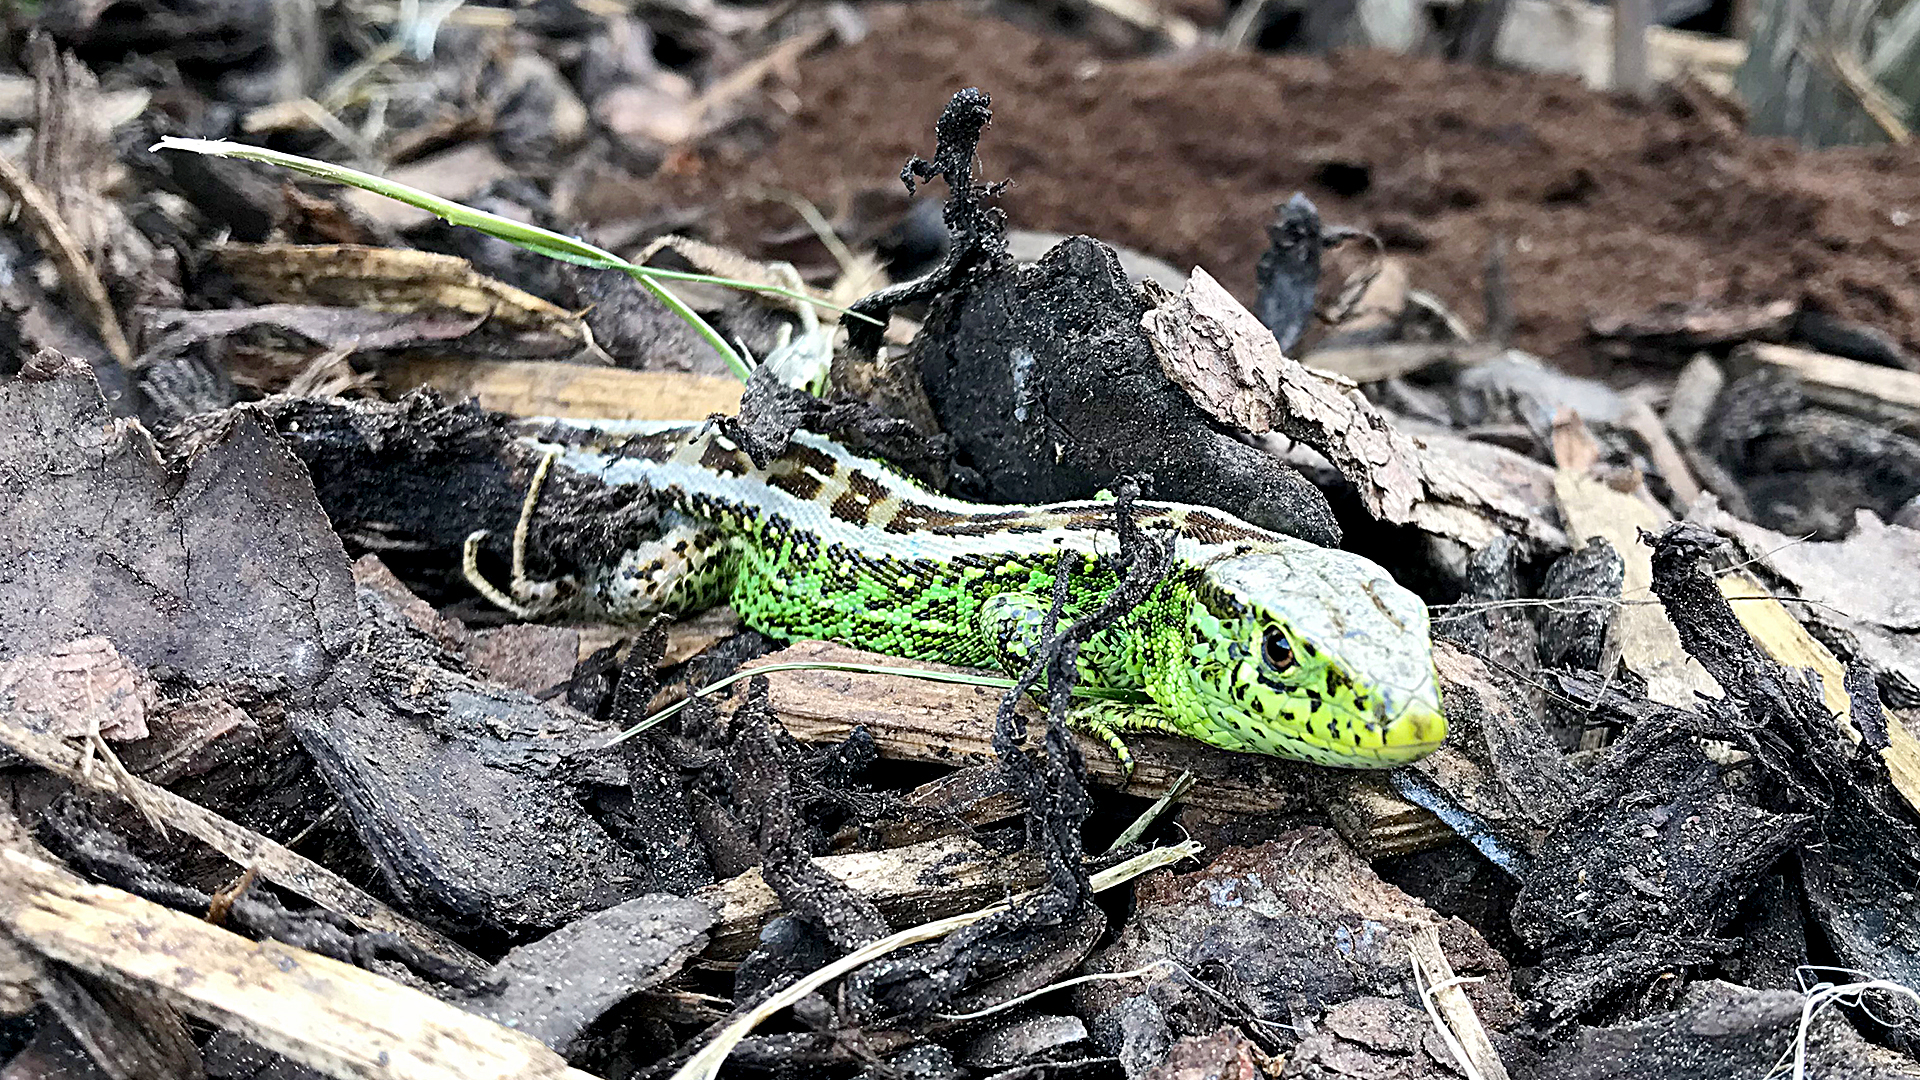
(1254, 641)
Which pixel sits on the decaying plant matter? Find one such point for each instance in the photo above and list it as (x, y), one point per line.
(286, 795)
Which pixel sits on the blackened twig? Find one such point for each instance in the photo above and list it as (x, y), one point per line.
(977, 231)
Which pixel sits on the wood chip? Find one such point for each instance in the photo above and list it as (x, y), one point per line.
(952, 724)
(319, 1012)
(37, 210)
(272, 861)
(1693, 398)
(948, 723)
(913, 884)
(1465, 1034)
(955, 803)
(1879, 617)
(1232, 367)
(1375, 363)
(536, 388)
(1868, 390)
(389, 279)
(1649, 644)
(1683, 326)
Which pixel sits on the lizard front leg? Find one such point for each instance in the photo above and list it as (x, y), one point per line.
(1012, 624)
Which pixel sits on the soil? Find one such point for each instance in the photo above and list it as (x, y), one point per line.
(1607, 205)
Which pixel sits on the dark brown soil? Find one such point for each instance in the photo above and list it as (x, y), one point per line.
(1606, 205)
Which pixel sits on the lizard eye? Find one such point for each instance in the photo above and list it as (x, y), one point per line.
(1277, 651)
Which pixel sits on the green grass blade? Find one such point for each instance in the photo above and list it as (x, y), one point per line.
(541, 241)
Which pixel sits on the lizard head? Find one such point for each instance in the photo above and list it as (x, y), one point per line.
(1312, 654)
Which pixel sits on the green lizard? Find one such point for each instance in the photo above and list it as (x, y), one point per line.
(1254, 641)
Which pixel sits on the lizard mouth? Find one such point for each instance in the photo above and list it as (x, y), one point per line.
(1379, 739)
(1412, 735)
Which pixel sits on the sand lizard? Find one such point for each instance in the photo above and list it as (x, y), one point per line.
(1254, 641)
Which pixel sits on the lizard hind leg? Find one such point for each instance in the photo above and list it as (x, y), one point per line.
(688, 568)
(681, 570)
(523, 596)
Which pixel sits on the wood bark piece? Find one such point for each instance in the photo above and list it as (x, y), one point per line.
(445, 776)
(319, 1012)
(1232, 367)
(1868, 390)
(125, 1030)
(540, 388)
(1876, 615)
(82, 687)
(1649, 645)
(245, 847)
(915, 884)
(1501, 770)
(1300, 925)
(1782, 637)
(952, 724)
(558, 986)
(706, 1064)
(220, 568)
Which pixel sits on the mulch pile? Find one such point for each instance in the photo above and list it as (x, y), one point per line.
(1607, 205)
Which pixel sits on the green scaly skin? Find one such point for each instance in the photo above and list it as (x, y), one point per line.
(1253, 642)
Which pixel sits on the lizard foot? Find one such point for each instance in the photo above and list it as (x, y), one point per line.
(524, 597)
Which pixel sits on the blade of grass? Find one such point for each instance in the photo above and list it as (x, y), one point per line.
(532, 237)
(542, 241)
